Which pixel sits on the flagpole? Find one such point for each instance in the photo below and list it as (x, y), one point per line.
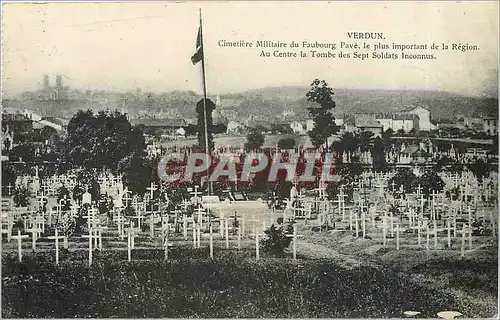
(205, 102)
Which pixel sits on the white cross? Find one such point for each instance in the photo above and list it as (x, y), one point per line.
(398, 229)
(9, 188)
(56, 237)
(19, 239)
(200, 211)
(185, 204)
(393, 185)
(419, 190)
(7, 225)
(120, 222)
(166, 243)
(152, 188)
(34, 234)
(127, 197)
(139, 217)
(294, 236)
(257, 246)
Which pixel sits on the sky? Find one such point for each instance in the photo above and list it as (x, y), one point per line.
(148, 45)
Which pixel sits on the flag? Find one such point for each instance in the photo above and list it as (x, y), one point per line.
(198, 55)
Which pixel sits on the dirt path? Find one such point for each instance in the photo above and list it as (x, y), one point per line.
(315, 251)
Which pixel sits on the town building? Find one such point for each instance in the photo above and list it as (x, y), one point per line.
(490, 126)
(363, 123)
(398, 121)
(17, 121)
(234, 127)
(298, 127)
(424, 117)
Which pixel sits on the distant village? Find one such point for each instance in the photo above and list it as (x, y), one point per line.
(169, 125)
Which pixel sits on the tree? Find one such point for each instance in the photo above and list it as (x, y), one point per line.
(479, 168)
(286, 143)
(9, 175)
(429, 181)
(348, 142)
(138, 172)
(404, 177)
(200, 124)
(21, 196)
(25, 151)
(365, 139)
(378, 155)
(86, 181)
(255, 140)
(324, 122)
(102, 140)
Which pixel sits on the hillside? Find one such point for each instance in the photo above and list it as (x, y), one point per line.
(441, 104)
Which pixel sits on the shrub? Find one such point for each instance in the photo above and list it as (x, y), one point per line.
(276, 240)
(255, 140)
(286, 143)
(21, 196)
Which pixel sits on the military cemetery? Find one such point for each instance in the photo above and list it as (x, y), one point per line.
(106, 213)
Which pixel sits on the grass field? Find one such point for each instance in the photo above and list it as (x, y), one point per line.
(235, 285)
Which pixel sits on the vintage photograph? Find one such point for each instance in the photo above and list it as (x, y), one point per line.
(241, 159)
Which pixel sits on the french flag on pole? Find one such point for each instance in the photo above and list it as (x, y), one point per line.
(198, 55)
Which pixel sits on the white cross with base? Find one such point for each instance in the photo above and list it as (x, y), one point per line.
(176, 214)
(200, 211)
(419, 190)
(139, 217)
(254, 224)
(165, 227)
(92, 221)
(56, 237)
(59, 208)
(152, 216)
(398, 229)
(448, 229)
(294, 236)
(74, 210)
(19, 239)
(393, 185)
(257, 244)
(185, 204)
(90, 236)
(131, 234)
(211, 237)
(152, 188)
(185, 222)
(7, 224)
(41, 200)
(421, 201)
(9, 188)
(195, 193)
(120, 222)
(98, 232)
(166, 243)
(289, 207)
(127, 197)
(465, 231)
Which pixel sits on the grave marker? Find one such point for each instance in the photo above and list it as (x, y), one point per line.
(19, 239)
(56, 237)
(294, 241)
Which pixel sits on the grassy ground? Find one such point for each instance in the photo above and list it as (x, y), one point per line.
(232, 285)
(471, 281)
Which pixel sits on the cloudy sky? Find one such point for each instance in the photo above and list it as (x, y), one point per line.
(124, 46)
